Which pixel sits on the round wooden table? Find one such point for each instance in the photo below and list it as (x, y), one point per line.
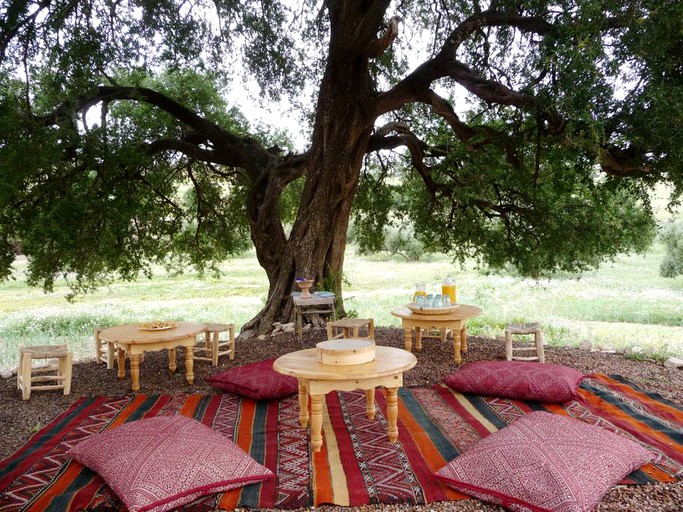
(134, 341)
(454, 320)
(316, 380)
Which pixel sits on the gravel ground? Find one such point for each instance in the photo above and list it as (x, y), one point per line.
(20, 419)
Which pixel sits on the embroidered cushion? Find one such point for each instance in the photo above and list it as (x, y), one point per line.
(543, 461)
(256, 380)
(162, 463)
(539, 382)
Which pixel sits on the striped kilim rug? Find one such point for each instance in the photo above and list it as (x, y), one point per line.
(357, 464)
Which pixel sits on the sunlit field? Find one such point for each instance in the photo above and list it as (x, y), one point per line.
(624, 304)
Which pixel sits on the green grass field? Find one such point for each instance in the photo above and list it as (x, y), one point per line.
(623, 304)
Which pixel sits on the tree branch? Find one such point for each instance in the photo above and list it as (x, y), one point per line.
(379, 45)
(488, 90)
(490, 18)
(444, 64)
(227, 149)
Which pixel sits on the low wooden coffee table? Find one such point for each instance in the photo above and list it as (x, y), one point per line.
(132, 340)
(454, 320)
(316, 380)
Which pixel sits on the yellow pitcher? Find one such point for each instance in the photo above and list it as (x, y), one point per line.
(448, 289)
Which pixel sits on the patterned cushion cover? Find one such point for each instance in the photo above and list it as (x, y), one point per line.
(161, 463)
(540, 382)
(543, 461)
(255, 380)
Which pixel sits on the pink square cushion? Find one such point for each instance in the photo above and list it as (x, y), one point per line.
(162, 463)
(543, 461)
(256, 380)
(521, 380)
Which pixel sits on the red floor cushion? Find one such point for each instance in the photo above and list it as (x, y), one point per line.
(162, 463)
(521, 380)
(543, 462)
(256, 380)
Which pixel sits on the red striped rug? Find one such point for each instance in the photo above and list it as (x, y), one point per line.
(357, 464)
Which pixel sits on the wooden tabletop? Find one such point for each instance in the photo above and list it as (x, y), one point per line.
(304, 365)
(133, 335)
(462, 312)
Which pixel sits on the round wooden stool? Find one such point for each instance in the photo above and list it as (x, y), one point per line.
(25, 372)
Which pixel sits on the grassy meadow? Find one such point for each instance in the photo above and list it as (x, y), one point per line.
(623, 304)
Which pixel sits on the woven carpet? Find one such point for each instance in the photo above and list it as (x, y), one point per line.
(357, 464)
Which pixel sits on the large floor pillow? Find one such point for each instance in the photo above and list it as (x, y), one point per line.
(543, 462)
(159, 464)
(521, 380)
(256, 380)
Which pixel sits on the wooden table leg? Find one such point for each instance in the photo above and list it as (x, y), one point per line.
(392, 413)
(457, 358)
(463, 340)
(418, 339)
(189, 366)
(171, 360)
(135, 371)
(370, 403)
(298, 321)
(408, 338)
(121, 356)
(317, 422)
(303, 404)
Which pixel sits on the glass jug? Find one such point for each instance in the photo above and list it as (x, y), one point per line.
(448, 289)
(420, 291)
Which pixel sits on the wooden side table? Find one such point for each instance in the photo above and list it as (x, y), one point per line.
(313, 305)
(316, 380)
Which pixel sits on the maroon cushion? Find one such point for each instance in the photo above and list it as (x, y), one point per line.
(162, 463)
(256, 380)
(539, 382)
(543, 461)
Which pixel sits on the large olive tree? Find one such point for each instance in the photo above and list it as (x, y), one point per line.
(518, 132)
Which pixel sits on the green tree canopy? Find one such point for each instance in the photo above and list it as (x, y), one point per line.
(524, 133)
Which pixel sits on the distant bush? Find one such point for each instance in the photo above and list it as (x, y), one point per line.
(672, 237)
(397, 241)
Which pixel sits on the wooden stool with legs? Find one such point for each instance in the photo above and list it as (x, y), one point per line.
(27, 375)
(350, 328)
(211, 347)
(520, 331)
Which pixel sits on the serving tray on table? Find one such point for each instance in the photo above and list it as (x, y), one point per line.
(431, 311)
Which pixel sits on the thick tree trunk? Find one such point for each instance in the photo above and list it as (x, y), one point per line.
(316, 244)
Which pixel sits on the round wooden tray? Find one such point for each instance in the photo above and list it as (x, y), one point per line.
(432, 311)
(346, 351)
(157, 326)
